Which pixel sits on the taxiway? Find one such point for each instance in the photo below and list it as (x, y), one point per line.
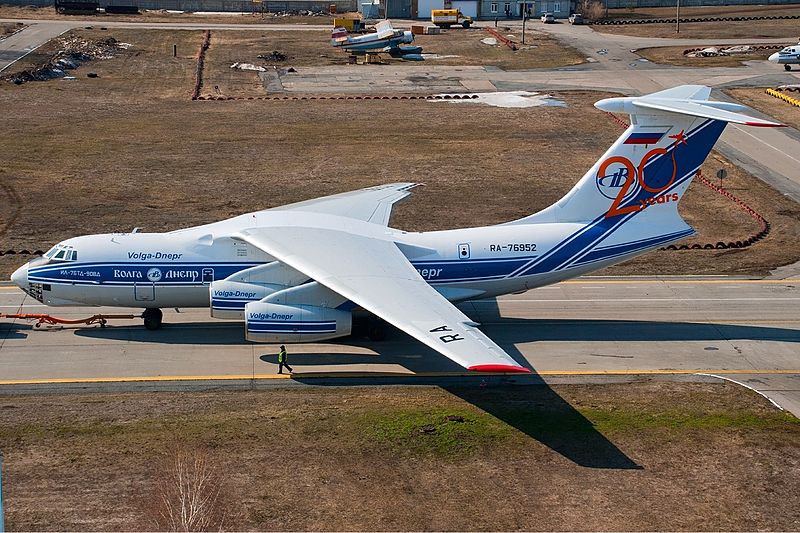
(747, 330)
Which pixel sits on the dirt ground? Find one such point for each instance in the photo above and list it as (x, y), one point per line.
(129, 149)
(33, 12)
(754, 29)
(648, 456)
(774, 107)
(673, 55)
(7, 28)
(313, 48)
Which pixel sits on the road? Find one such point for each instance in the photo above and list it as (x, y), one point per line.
(746, 330)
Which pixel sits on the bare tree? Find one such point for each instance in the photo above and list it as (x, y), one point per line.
(591, 9)
(188, 489)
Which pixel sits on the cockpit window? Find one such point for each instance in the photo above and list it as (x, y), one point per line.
(60, 252)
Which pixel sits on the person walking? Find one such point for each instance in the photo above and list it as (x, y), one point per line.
(282, 362)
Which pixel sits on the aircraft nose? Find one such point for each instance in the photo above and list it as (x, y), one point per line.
(774, 57)
(20, 277)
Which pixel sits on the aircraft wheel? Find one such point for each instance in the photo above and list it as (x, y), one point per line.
(152, 318)
(787, 67)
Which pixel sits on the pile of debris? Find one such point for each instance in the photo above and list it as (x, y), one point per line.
(714, 51)
(275, 55)
(73, 51)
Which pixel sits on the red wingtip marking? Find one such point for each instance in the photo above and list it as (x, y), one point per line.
(500, 368)
(764, 125)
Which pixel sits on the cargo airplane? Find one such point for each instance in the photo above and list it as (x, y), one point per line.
(787, 57)
(297, 273)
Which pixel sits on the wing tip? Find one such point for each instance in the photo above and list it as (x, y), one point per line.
(765, 124)
(500, 368)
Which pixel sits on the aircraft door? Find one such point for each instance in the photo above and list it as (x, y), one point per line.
(208, 275)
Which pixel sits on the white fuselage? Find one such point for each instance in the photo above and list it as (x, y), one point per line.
(176, 269)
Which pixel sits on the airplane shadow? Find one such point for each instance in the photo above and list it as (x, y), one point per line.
(504, 331)
(14, 330)
(534, 409)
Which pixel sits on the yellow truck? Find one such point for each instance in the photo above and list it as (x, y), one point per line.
(444, 18)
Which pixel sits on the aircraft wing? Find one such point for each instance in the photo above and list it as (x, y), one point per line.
(373, 204)
(374, 273)
(384, 29)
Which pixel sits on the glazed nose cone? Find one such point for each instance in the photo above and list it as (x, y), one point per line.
(20, 277)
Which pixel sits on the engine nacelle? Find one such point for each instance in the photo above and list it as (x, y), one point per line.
(268, 322)
(228, 298)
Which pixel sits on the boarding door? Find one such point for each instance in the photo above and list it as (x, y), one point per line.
(208, 275)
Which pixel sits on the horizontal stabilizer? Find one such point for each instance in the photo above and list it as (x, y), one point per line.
(685, 100)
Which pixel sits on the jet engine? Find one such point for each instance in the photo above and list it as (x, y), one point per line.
(271, 322)
(228, 298)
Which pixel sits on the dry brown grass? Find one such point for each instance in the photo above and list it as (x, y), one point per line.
(128, 149)
(673, 55)
(39, 13)
(778, 109)
(7, 28)
(655, 457)
(753, 29)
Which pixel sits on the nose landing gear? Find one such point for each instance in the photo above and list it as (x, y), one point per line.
(787, 67)
(152, 318)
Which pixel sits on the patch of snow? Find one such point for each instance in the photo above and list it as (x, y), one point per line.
(591, 60)
(505, 99)
(248, 66)
(124, 46)
(437, 56)
(491, 41)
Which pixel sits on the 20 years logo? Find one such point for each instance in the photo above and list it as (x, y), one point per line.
(618, 179)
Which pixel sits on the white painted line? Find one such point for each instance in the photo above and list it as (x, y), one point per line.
(35, 47)
(773, 402)
(764, 143)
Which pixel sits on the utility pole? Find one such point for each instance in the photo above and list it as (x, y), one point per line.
(678, 17)
(524, 19)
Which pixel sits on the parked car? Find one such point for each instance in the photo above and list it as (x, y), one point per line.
(576, 18)
(548, 18)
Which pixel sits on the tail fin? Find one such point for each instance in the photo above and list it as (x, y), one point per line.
(653, 162)
(338, 35)
(627, 203)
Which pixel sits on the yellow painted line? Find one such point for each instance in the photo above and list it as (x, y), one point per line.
(360, 374)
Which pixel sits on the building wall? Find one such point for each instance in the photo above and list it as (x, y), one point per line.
(565, 8)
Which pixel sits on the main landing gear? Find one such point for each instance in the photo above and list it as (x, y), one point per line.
(787, 67)
(152, 318)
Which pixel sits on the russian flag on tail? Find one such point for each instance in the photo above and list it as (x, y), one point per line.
(644, 137)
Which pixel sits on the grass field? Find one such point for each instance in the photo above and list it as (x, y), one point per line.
(313, 48)
(752, 29)
(647, 456)
(673, 55)
(759, 99)
(129, 149)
